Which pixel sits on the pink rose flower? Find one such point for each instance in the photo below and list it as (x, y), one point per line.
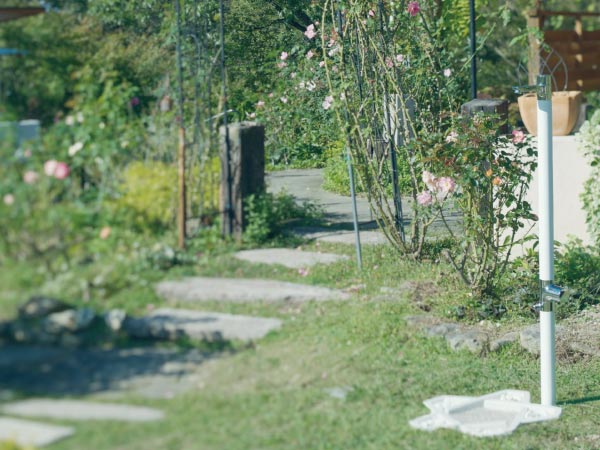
(62, 171)
(284, 56)
(430, 180)
(50, 167)
(447, 73)
(283, 99)
(518, 136)
(105, 232)
(445, 185)
(425, 198)
(30, 177)
(260, 104)
(327, 102)
(371, 13)
(413, 8)
(310, 54)
(388, 62)
(8, 199)
(310, 32)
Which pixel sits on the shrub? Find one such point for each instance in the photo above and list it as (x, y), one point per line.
(266, 215)
(590, 139)
(147, 194)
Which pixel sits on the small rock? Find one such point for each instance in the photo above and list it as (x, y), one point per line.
(114, 319)
(40, 306)
(339, 392)
(530, 339)
(587, 348)
(69, 320)
(474, 341)
(22, 332)
(441, 329)
(503, 341)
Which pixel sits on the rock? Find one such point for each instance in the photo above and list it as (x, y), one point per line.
(81, 410)
(474, 341)
(294, 259)
(503, 341)
(339, 392)
(586, 348)
(199, 289)
(114, 319)
(27, 433)
(366, 238)
(69, 320)
(40, 306)
(441, 329)
(530, 339)
(166, 323)
(22, 332)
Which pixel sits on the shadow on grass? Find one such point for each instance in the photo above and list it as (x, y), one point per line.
(155, 371)
(578, 401)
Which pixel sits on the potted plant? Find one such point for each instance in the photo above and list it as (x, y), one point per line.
(565, 111)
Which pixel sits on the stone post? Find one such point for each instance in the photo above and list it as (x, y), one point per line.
(247, 172)
(491, 106)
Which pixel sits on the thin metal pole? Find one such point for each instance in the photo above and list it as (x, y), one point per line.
(229, 184)
(386, 98)
(349, 160)
(181, 210)
(473, 40)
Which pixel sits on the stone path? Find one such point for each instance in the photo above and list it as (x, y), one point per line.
(168, 323)
(294, 259)
(200, 289)
(367, 237)
(27, 433)
(81, 410)
(305, 185)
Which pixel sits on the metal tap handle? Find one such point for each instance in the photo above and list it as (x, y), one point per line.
(543, 88)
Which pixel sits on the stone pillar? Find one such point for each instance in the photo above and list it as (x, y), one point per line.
(247, 172)
(491, 106)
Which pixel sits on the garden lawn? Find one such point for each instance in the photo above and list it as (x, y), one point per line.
(273, 395)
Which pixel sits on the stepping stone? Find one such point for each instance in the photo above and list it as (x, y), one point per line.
(366, 238)
(294, 259)
(166, 323)
(81, 410)
(200, 289)
(27, 433)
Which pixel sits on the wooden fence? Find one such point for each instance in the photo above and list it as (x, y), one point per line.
(578, 48)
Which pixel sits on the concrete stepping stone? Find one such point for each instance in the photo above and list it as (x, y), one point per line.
(27, 433)
(294, 259)
(366, 238)
(168, 323)
(81, 410)
(199, 289)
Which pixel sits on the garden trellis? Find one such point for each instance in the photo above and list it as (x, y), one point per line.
(200, 57)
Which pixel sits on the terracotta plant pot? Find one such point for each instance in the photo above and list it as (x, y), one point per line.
(565, 111)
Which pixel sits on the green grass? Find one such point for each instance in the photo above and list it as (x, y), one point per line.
(271, 395)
